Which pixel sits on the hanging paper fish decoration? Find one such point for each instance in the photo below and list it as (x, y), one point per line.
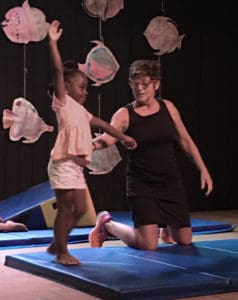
(100, 66)
(25, 24)
(162, 35)
(104, 160)
(103, 9)
(24, 122)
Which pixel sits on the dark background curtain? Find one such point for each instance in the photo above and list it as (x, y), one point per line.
(200, 79)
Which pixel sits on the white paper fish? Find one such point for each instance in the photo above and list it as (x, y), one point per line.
(162, 35)
(100, 66)
(103, 8)
(104, 160)
(25, 24)
(24, 122)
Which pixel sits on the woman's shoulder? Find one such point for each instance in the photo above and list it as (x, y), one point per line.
(128, 105)
(122, 111)
(169, 104)
(171, 108)
(121, 117)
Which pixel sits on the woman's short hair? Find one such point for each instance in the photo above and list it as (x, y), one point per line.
(145, 67)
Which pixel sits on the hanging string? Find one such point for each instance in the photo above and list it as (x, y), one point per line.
(160, 87)
(99, 105)
(24, 71)
(100, 30)
(163, 12)
(99, 94)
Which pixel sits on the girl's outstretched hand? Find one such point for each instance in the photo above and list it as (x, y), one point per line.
(54, 31)
(129, 142)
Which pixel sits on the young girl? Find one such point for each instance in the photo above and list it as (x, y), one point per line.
(73, 147)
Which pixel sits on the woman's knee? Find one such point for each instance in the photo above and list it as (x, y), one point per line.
(147, 237)
(149, 244)
(146, 245)
(182, 236)
(150, 247)
(185, 241)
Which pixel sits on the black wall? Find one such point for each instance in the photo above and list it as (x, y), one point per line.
(200, 79)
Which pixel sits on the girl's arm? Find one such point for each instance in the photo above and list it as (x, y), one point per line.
(113, 133)
(54, 34)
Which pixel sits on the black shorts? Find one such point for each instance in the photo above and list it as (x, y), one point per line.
(161, 211)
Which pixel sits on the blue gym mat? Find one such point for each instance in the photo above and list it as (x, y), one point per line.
(17, 204)
(29, 201)
(80, 235)
(171, 272)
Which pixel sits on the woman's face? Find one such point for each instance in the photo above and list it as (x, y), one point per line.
(143, 88)
(77, 88)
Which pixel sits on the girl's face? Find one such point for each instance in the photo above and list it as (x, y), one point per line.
(77, 88)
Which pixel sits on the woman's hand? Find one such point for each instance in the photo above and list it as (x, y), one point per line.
(206, 182)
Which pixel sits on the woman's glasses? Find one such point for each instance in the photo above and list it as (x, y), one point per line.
(137, 83)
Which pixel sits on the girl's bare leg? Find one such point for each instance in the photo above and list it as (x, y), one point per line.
(71, 206)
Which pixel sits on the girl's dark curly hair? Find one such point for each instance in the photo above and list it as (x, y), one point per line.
(70, 70)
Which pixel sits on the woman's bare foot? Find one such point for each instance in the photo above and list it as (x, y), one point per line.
(51, 249)
(67, 260)
(13, 226)
(165, 236)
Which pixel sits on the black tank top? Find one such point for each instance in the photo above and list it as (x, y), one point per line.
(152, 166)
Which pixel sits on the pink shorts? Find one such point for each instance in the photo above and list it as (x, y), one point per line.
(66, 174)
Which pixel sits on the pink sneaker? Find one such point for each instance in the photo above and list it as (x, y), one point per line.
(98, 234)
